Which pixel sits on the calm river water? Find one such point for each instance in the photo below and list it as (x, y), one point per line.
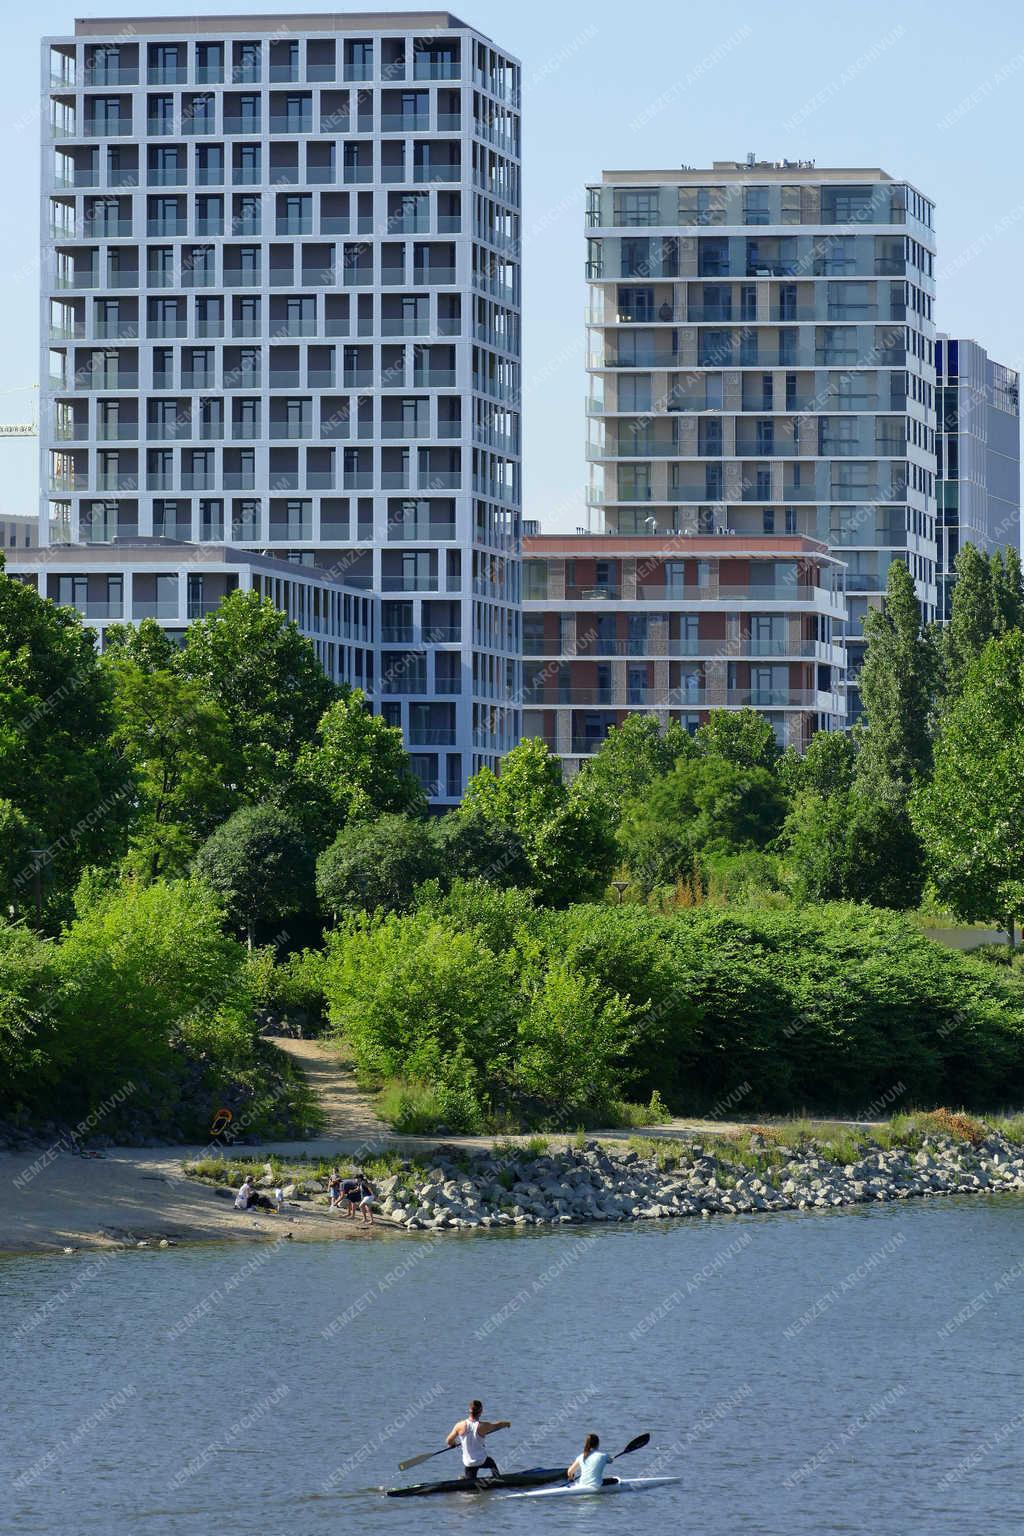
(843, 1373)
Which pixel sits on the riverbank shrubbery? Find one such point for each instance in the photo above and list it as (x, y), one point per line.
(509, 1010)
(142, 1018)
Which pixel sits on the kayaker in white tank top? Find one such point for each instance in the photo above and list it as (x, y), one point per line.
(470, 1434)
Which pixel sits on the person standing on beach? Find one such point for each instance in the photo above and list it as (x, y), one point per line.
(366, 1199)
(334, 1190)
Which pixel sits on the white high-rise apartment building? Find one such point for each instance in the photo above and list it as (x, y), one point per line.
(281, 294)
(762, 362)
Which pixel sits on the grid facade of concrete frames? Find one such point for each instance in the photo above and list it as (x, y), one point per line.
(762, 361)
(616, 625)
(281, 293)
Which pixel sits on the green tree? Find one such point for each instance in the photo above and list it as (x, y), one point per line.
(632, 756)
(826, 767)
(378, 864)
(356, 768)
(261, 866)
(147, 645)
(1007, 589)
(971, 815)
(472, 848)
(565, 834)
(972, 616)
(741, 736)
(705, 806)
(264, 675)
(67, 794)
(177, 743)
(897, 682)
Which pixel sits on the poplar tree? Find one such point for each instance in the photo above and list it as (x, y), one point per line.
(972, 616)
(1007, 590)
(897, 684)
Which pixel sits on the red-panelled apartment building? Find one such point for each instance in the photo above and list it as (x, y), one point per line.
(676, 625)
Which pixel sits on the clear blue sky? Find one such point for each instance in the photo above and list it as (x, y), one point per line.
(928, 89)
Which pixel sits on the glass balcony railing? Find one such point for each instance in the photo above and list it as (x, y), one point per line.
(293, 528)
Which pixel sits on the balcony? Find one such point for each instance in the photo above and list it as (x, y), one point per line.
(295, 122)
(434, 378)
(587, 594)
(99, 229)
(294, 528)
(100, 608)
(242, 125)
(111, 481)
(649, 360)
(409, 584)
(420, 533)
(291, 429)
(405, 122)
(107, 74)
(425, 173)
(431, 736)
(115, 330)
(112, 128)
(152, 608)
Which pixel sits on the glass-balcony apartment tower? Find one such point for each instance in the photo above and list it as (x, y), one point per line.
(762, 362)
(280, 301)
(978, 456)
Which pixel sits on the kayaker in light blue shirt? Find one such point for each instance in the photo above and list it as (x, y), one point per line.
(588, 1468)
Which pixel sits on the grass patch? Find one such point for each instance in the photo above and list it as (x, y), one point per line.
(654, 1112)
(292, 1170)
(414, 1109)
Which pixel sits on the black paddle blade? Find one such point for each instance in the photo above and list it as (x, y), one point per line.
(634, 1445)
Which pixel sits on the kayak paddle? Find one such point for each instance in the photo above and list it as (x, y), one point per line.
(634, 1445)
(414, 1461)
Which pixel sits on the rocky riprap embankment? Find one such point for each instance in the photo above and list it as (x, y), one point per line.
(592, 1184)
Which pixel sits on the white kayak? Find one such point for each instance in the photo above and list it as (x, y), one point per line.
(610, 1485)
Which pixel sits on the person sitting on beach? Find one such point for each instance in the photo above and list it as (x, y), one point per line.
(246, 1195)
(365, 1189)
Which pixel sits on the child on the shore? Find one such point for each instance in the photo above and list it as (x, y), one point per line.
(366, 1199)
(334, 1190)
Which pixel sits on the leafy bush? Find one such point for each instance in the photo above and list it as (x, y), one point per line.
(27, 1020)
(419, 997)
(142, 1017)
(550, 1015)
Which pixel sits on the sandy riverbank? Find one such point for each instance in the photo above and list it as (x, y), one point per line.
(51, 1200)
